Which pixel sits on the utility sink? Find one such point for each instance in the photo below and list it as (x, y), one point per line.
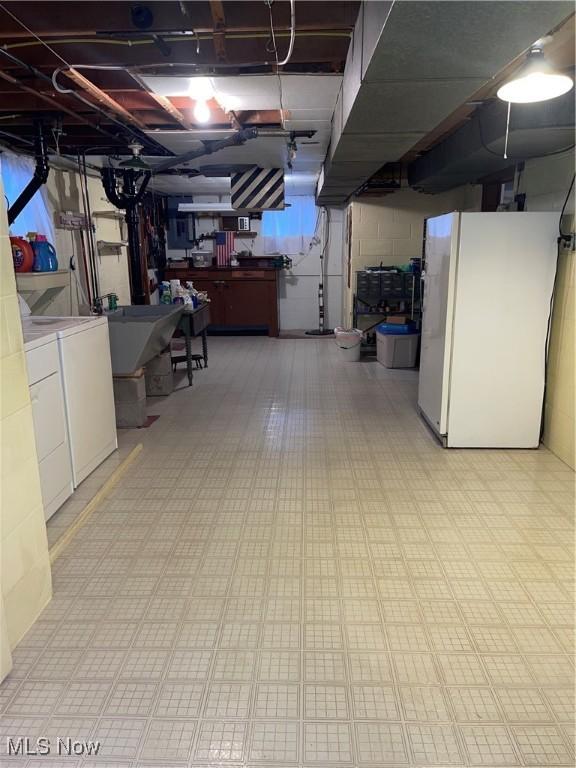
(139, 333)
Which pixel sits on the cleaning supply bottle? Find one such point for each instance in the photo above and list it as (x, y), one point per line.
(45, 259)
(22, 254)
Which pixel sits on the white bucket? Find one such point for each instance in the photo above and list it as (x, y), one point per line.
(348, 342)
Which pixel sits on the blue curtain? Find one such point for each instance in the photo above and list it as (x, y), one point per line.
(17, 170)
(290, 231)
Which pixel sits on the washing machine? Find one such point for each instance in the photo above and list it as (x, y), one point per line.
(86, 371)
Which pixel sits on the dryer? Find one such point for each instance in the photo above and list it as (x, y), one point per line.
(86, 371)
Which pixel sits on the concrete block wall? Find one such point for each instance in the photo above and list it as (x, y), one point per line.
(389, 230)
(26, 585)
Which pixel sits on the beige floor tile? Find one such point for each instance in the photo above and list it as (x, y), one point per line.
(295, 574)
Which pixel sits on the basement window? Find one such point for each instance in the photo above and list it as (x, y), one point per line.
(16, 172)
(289, 231)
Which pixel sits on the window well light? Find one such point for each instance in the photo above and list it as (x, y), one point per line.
(535, 81)
(201, 112)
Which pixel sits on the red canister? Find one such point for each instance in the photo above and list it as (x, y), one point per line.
(22, 254)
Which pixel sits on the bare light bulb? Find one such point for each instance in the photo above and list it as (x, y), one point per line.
(201, 112)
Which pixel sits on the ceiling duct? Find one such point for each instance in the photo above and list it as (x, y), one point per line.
(409, 66)
(477, 148)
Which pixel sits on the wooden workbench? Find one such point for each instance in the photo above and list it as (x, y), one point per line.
(240, 298)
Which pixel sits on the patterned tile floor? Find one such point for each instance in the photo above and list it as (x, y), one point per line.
(294, 573)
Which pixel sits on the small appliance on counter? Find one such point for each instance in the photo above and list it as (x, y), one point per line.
(200, 259)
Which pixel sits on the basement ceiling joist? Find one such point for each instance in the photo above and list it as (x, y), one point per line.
(409, 66)
(45, 36)
(51, 19)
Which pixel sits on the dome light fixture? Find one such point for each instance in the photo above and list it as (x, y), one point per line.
(535, 81)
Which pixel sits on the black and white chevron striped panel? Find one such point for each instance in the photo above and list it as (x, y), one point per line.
(258, 189)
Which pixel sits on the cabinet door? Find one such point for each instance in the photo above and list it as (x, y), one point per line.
(215, 291)
(246, 302)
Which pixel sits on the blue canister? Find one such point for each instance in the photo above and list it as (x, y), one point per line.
(45, 258)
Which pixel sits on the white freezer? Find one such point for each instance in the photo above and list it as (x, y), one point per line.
(488, 281)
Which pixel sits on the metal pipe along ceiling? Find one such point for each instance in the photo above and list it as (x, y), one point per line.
(40, 177)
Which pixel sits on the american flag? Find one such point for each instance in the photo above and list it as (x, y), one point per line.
(223, 247)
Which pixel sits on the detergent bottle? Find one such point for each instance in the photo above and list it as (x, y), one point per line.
(45, 259)
(22, 254)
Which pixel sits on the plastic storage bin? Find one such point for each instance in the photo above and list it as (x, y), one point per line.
(396, 328)
(348, 341)
(396, 350)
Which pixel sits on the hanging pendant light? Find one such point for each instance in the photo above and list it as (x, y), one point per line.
(535, 81)
(136, 162)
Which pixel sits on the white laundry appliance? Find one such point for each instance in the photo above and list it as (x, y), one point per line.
(488, 282)
(86, 371)
(49, 416)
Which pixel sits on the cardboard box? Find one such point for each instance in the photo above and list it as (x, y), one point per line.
(398, 319)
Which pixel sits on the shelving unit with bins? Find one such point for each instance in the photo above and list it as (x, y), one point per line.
(381, 293)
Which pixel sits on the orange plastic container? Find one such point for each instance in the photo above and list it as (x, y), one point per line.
(22, 254)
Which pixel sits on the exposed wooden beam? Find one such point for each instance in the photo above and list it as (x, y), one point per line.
(219, 38)
(103, 98)
(165, 103)
(57, 106)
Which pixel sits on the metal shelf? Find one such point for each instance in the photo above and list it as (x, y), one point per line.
(108, 245)
(108, 214)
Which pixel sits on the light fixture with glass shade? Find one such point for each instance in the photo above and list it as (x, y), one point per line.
(535, 81)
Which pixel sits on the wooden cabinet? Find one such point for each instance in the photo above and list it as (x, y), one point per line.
(240, 299)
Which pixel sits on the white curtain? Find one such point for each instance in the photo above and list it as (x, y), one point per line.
(290, 231)
(17, 170)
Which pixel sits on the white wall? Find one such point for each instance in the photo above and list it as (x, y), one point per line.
(298, 289)
(298, 303)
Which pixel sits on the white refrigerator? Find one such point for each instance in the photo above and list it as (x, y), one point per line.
(488, 281)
